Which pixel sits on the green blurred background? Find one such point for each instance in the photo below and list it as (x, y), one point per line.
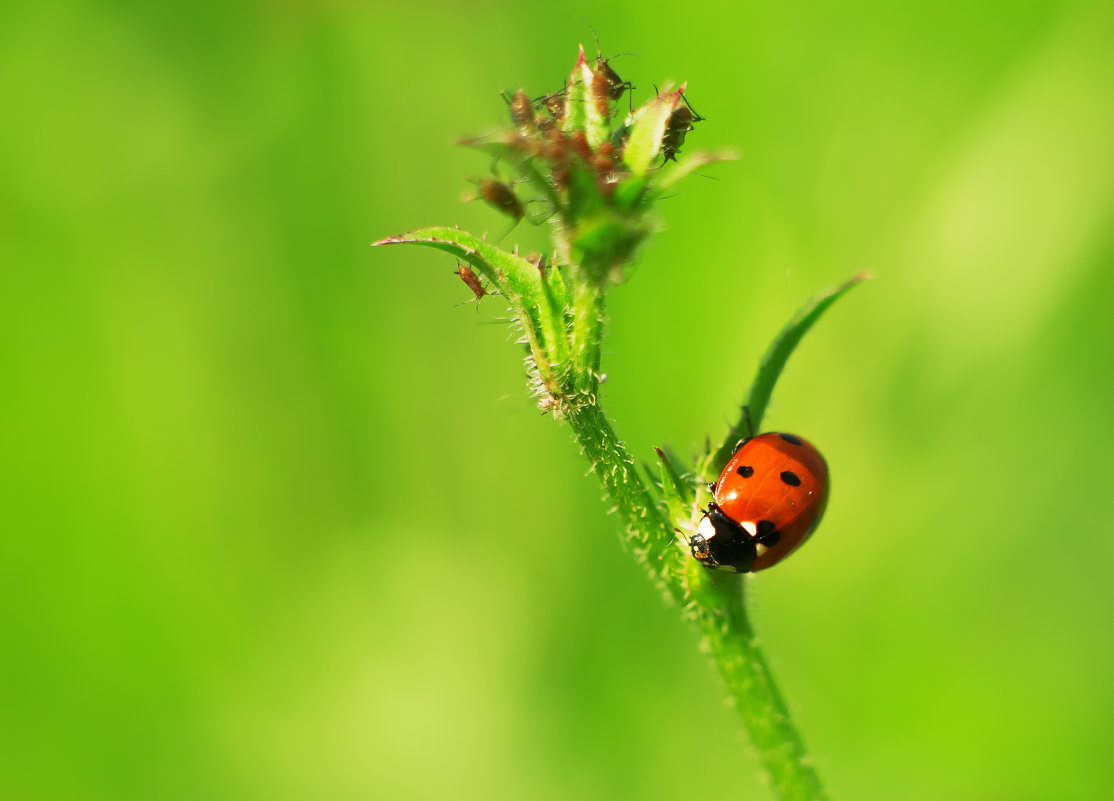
(279, 521)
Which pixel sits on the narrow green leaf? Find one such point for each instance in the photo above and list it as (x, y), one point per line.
(769, 369)
(597, 108)
(555, 280)
(585, 332)
(669, 177)
(557, 302)
(677, 492)
(630, 192)
(584, 193)
(517, 278)
(647, 131)
(576, 96)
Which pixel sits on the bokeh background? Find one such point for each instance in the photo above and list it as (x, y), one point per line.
(279, 521)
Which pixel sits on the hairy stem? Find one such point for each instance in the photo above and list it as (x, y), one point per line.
(646, 525)
(601, 181)
(715, 607)
(736, 652)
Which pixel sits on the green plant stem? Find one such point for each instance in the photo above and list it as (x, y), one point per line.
(603, 207)
(735, 650)
(714, 605)
(646, 526)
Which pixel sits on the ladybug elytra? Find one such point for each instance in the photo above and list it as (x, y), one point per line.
(766, 503)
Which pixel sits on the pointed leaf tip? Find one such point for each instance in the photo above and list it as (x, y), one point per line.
(770, 367)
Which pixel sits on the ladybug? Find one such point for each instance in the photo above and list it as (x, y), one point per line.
(768, 500)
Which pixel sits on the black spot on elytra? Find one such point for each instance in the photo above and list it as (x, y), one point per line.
(746, 471)
(767, 534)
(791, 439)
(790, 478)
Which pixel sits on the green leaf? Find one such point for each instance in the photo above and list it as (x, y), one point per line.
(769, 369)
(598, 106)
(647, 131)
(554, 282)
(629, 193)
(556, 296)
(584, 193)
(677, 492)
(576, 97)
(519, 280)
(669, 177)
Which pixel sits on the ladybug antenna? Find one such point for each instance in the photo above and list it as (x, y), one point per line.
(684, 535)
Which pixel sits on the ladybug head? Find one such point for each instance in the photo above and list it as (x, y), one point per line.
(701, 545)
(700, 551)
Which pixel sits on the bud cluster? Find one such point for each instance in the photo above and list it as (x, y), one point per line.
(594, 166)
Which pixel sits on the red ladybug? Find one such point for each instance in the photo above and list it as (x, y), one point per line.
(766, 503)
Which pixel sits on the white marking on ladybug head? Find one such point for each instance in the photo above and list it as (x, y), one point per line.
(706, 529)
